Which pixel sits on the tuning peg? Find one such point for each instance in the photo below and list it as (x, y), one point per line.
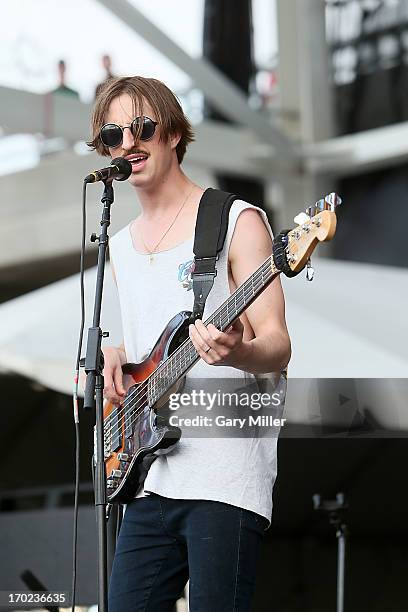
(317, 208)
(322, 204)
(329, 202)
(333, 200)
(309, 270)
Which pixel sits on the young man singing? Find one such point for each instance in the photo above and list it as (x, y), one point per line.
(206, 503)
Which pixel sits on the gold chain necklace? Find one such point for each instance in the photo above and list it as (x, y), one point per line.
(152, 252)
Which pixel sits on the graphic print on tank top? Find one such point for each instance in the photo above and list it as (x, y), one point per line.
(185, 271)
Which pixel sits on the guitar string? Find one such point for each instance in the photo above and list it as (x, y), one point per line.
(164, 365)
(191, 353)
(134, 403)
(140, 389)
(173, 357)
(135, 413)
(186, 356)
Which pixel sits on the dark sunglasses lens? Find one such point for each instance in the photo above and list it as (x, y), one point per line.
(111, 135)
(148, 128)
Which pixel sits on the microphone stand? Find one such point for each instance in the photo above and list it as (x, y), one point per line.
(335, 510)
(94, 398)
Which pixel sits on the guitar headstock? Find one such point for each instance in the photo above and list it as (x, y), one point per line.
(292, 249)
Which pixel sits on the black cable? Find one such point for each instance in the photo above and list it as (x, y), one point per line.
(75, 532)
(75, 397)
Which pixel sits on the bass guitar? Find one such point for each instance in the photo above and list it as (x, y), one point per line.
(133, 433)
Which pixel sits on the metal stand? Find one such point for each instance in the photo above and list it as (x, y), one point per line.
(334, 510)
(94, 398)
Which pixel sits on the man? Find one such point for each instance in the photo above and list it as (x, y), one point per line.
(62, 86)
(207, 502)
(108, 74)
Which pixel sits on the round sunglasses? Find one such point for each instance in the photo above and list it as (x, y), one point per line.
(111, 134)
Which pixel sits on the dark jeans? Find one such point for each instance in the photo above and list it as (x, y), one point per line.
(164, 542)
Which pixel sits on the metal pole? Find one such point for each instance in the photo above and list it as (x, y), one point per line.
(341, 563)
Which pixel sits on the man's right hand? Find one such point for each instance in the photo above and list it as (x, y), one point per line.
(114, 390)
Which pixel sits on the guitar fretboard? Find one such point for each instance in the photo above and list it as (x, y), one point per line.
(185, 356)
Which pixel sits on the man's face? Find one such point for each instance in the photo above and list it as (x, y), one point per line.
(158, 155)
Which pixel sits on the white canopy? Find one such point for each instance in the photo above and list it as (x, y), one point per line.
(348, 323)
(39, 332)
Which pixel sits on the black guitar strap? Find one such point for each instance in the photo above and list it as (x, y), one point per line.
(210, 233)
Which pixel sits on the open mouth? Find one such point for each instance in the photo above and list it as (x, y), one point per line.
(138, 160)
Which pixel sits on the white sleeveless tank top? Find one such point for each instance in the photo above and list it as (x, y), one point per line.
(236, 471)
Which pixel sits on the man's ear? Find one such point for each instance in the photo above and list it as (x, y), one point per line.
(174, 140)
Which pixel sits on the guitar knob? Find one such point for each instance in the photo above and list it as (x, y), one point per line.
(123, 456)
(116, 473)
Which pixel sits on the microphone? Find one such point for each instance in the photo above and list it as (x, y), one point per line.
(120, 169)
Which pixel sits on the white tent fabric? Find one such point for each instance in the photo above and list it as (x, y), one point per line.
(39, 331)
(349, 322)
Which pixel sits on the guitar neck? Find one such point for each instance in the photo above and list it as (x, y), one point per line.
(185, 356)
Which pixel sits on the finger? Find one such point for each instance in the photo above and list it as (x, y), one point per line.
(111, 396)
(207, 353)
(219, 338)
(109, 387)
(118, 380)
(198, 340)
(203, 331)
(210, 356)
(237, 325)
